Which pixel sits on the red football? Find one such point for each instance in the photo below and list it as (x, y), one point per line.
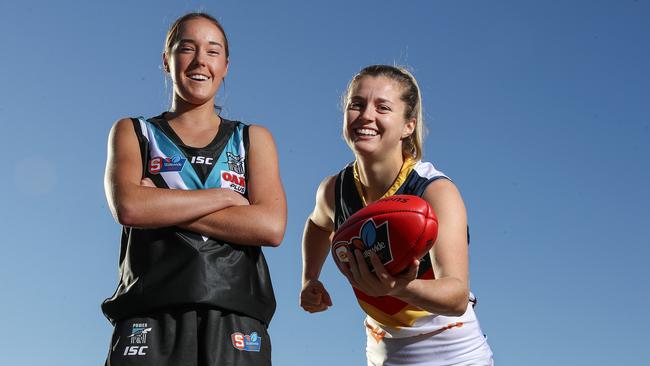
(397, 228)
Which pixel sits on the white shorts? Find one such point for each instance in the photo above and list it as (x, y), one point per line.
(457, 346)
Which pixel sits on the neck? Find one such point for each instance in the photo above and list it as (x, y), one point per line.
(377, 176)
(185, 113)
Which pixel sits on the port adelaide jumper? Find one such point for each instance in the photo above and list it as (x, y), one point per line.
(168, 267)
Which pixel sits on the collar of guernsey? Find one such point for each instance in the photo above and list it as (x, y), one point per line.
(405, 170)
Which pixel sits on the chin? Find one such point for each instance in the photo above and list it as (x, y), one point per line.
(197, 96)
(364, 151)
(196, 99)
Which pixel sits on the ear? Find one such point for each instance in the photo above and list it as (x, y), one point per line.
(165, 62)
(409, 127)
(226, 72)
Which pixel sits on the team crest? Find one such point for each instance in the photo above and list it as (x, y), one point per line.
(235, 163)
(139, 333)
(371, 239)
(246, 342)
(161, 165)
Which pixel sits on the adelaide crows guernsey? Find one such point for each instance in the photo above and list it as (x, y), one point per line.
(388, 316)
(166, 267)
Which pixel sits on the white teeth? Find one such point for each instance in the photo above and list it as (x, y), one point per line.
(365, 132)
(198, 77)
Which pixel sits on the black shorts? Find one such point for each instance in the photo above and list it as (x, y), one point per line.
(190, 337)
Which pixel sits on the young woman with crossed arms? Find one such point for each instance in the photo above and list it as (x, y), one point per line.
(198, 195)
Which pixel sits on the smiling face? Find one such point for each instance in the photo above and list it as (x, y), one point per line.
(197, 61)
(374, 123)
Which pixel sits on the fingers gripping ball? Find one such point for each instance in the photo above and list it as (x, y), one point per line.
(397, 228)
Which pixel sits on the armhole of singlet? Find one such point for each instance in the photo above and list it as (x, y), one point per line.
(337, 200)
(246, 140)
(431, 180)
(143, 142)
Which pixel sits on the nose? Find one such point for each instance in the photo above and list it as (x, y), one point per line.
(367, 113)
(199, 57)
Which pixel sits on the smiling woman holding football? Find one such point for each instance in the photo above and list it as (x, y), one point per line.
(197, 195)
(424, 315)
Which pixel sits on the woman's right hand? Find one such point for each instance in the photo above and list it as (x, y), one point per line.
(314, 297)
(235, 198)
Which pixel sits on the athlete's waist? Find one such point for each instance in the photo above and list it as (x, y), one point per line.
(423, 323)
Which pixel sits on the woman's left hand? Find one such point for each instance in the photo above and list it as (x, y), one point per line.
(379, 283)
(147, 182)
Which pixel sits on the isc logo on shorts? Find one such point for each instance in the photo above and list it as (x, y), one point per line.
(135, 351)
(139, 332)
(246, 342)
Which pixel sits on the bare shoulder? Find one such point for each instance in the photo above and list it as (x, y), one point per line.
(260, 133)
(441, 187)
(262, 151)
(123, 123)
(124, 161)
(121, 128)
(323, 214)
(326, 189)
(443, 195)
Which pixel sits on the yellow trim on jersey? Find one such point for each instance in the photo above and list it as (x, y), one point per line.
(404, 171)
(404, 318)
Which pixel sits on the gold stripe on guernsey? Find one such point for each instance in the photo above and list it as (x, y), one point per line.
(406, 169)
(409, 314)
(404, 318)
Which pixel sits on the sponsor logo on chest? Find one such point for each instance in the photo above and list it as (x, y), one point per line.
(158, 164)
(234, 178)
(234, 181)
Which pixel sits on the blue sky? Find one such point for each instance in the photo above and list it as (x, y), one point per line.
(539, 111)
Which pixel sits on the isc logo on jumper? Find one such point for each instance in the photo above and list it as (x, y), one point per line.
(161, 165)
(201, 160)
(138, 337)
(371, 239)
(246, 342)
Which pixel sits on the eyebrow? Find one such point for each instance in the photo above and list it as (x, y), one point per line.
(213, 43)
(384, 100)
(378, 99)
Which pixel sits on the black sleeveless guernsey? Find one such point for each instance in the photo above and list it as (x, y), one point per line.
(170, 267)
